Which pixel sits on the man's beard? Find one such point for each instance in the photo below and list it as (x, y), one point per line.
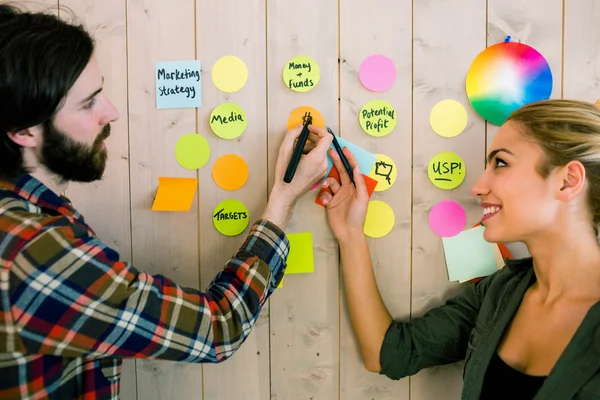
(71, 160)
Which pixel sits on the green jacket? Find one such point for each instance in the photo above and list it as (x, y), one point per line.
(470, 326)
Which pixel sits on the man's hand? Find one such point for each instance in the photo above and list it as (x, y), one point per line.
(311, 169)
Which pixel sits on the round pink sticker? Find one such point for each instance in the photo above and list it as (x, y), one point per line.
(377, 73)
(447, 218)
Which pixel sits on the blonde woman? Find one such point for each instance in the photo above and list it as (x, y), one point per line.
(532, 329)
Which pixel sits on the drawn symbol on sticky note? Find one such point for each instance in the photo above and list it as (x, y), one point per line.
(175, 194)
(370, 183)
(298, 117)
(230, 172)
(192, 151)
(229, 74)
(301, 257)
(446, 170)
(448, 118)
(228, 121)
(231, 217)
(301, 74)
(384, 172)
(178, 84)
(377, 118)
(380, 219)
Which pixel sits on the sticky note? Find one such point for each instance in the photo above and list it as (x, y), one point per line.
(178, 84)
(365, 159)
(230, 172)
(192, 151)
(175, 194)
(301, 74)
(228, 121)
(301, 257)
(298, 115)
(448, 118)
(377, 118)
(446, 170)
(377, 73)
(370, 183)
(229, 74)
(447, 218)
(384, 172)
(380, 219)
(231, 217)
(468, 255)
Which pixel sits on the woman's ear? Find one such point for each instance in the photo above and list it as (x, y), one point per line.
(29, 137)
(572, 177)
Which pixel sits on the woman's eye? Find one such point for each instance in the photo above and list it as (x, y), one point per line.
(500, 162)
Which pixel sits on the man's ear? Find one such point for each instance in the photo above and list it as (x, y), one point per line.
(29, 137)
(573, 179)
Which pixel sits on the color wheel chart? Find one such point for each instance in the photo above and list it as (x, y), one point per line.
(506, 76)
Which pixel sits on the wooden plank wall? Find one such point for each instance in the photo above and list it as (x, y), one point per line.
(302, 346)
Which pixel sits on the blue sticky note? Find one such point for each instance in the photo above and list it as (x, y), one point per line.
(468, 255)
(366, 160)
(178, 84)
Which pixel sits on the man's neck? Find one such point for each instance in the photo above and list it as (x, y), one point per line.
(52, 181)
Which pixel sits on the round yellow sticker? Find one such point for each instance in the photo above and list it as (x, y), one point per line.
(192, 151)
(448, 118)
(229, 74)
(228, 121)
(446, 170)
(231, 217)
(380, 219)
(377, 118)
(384, 172)
(301, 74)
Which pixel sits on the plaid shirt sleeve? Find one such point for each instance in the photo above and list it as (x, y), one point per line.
(72, 297)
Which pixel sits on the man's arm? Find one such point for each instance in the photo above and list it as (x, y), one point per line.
(71, 296)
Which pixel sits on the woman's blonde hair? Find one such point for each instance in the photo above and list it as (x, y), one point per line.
(566, 130)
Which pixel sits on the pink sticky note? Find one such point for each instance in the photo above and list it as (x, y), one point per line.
(377, 73)
(447, 218)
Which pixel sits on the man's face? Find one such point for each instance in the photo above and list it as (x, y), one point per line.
(73, 142)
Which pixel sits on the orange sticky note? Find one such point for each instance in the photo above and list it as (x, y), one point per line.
(370, 182)
(175, 194)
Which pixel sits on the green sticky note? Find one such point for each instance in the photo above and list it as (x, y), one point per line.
(468, 255)
(301, 258)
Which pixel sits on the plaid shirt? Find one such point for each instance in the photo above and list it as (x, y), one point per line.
(70, 310)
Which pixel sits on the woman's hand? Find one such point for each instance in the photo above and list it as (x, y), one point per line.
(347, 207)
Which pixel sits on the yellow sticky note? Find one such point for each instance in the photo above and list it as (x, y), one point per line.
(448, 118)
(229, 74)
(301, 258)
(297, 116)
(175, 194)
(228, 121)
(192, 151)
(377, 118)
(230, 172)
(384, 172)
(301, 74)
(231, 217)
(446, 170)
(380, 219)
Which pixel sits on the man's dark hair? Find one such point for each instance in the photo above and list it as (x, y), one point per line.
(41, 57)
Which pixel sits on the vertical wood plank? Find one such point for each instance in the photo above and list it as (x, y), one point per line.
(239, 29)
(163, 242)
(105, 204)
(385, 29)
(305, 311)
(582, 50)
(448, 35)
(525, 22)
